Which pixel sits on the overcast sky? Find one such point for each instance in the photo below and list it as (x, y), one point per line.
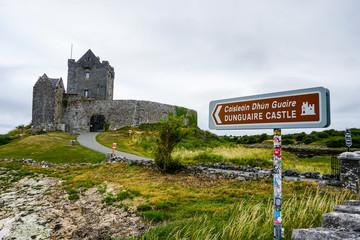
(187, 52)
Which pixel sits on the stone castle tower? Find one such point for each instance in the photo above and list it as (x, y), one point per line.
(88, 103)
(91, 78)
(47, 98)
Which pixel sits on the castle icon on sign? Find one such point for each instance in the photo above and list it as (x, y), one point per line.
(307, 109)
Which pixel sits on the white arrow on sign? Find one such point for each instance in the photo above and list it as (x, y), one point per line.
(217, 114)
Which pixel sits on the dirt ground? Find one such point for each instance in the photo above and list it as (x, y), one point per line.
(37, 208)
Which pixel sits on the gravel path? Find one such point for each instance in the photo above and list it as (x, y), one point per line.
(89, 140)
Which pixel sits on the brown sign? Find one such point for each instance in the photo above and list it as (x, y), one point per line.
(304, 108)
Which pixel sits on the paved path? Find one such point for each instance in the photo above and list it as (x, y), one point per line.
(89, 140)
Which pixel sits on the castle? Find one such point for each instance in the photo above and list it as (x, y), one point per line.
(88, 105)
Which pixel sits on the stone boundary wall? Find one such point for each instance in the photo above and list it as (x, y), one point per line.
(118, 113)
(212, 171)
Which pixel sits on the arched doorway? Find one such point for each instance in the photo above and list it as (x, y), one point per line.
(97, 123)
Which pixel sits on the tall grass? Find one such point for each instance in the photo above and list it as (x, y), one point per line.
(254, 221)
(255, 157)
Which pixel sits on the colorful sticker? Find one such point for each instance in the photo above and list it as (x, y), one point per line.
(277, 169)
(277, 180)
(277, 152)
(278, 202)
(277, 191)
(277, 160)
(277, 140)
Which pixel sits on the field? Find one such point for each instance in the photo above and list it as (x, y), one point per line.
(204, 147)
(185, 207)
(178, 206)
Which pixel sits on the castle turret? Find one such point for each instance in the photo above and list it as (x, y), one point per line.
(91, 78)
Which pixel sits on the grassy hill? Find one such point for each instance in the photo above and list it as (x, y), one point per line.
(52, 147)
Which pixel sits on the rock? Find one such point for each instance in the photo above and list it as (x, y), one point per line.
(341, 220)
(352, 203)
(353, 209)
(324, 234)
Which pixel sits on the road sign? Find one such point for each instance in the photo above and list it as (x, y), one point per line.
(114, 145)
(348, 140)
(304, 108)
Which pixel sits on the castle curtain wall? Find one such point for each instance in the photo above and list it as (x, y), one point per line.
(119, 113)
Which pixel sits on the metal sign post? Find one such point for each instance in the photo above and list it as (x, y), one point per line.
(348, 140)
(277, 184)
(302, 108)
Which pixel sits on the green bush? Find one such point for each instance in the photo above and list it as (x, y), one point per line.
(170, 134)
(192, 119)
(300, 136)
(4, 139)
(180, 111)
(335, 143)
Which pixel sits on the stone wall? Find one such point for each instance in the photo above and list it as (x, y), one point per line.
(118, 113)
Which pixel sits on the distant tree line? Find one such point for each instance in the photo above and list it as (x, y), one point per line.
(330, 138)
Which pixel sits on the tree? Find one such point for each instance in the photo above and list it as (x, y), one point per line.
(171, 131)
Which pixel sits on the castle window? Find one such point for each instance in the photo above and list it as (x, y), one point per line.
(86, 93)
(87, 76)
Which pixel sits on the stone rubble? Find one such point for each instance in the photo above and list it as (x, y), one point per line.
(37, 208)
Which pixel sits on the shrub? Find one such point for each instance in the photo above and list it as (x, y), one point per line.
(4, 139)
(192, 119)
(300, 136)
(335, 143)
(180, 111)
(170, 134)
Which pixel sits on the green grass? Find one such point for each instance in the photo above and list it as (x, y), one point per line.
(194, 149)
(254, 157)
(316, 164)
(52, 147)
(138, 143)
(186, 207)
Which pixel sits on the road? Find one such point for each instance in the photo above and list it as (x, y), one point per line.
(89, 140)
